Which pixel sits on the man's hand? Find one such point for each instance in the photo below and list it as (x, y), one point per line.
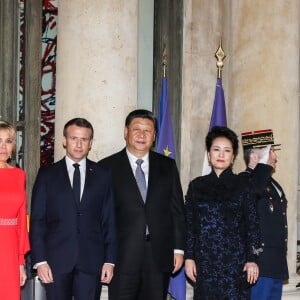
(178, 262)
(107, 273)
(44, 273)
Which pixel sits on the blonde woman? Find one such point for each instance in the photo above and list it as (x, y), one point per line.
(13, 224)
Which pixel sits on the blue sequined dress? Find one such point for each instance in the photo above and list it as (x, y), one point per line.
(222, 235)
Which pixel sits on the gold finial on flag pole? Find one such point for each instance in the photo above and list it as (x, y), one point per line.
(220, 55)
(164, 61)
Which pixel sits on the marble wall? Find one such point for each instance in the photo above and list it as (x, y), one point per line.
(97, 79)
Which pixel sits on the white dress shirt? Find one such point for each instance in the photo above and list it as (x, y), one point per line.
(144, 166)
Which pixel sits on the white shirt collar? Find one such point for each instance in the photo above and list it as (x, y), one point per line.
(70, 163)
(145, 164)
(133, 158)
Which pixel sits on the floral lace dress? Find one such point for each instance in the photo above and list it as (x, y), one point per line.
(222, 235)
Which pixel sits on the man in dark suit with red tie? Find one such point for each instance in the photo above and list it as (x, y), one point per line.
(149, 214)
(72, 228)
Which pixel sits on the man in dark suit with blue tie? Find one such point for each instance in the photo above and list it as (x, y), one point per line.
(72, 227)
(149, 214)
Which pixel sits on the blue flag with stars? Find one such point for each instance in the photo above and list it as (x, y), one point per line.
(165, 139)
(166, 146)
(218, 118)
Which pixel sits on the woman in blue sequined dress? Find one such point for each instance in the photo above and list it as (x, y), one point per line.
(222, 226)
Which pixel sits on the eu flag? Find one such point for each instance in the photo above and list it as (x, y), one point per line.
(165, 145)
(165, 140)
(218, 118)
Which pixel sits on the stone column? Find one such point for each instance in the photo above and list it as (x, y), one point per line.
(96, 69)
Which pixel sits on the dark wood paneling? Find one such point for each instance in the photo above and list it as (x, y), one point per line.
(8, 59)
(33, 52)
(9, 54)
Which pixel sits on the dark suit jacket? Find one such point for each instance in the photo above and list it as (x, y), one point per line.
(271, 210)
(65, 233)
(163, 211)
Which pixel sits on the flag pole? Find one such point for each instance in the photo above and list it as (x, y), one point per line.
(218, 115)
(220, 56)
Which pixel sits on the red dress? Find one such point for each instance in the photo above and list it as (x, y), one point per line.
(13, 231)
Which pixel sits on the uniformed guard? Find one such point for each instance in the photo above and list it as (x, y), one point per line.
(260, 157)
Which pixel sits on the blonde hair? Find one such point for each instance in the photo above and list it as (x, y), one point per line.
(4, 125)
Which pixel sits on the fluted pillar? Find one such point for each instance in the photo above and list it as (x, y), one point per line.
(96, 69)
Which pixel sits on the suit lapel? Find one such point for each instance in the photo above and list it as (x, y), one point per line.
(154, 175)
(89, 171)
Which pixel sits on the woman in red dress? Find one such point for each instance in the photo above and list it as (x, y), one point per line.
(13, 221)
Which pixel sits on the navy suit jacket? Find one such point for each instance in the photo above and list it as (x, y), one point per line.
(271, 208)
(66, 233)
(163, 211)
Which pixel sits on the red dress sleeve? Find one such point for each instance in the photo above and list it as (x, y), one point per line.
(22, 228)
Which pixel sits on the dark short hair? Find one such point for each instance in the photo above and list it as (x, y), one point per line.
(80, 122)
(222, 131)
(141, 113)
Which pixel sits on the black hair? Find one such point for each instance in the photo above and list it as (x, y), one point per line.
(141, 113)
(80, 122)
(222, 131)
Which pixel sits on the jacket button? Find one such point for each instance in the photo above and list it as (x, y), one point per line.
(263, 244)
(283, 213)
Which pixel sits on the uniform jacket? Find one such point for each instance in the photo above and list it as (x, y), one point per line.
(271, 209)
(65, 233)
(163, 211)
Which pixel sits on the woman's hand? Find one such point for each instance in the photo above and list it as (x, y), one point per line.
(190, 269)
(23, 275)
(252, 272)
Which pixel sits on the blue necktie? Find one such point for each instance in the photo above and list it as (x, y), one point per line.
(76, 182)
(140, 179)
